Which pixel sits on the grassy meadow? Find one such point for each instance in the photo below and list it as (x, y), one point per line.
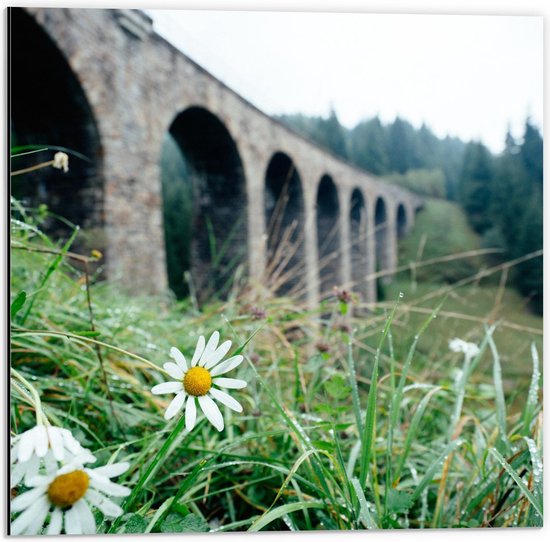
(357, 420)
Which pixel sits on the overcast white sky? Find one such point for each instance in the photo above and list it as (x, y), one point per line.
(468, 76)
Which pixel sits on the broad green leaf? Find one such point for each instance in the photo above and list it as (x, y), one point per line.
(337, 388)
(17, 303)
(134, 524)
(398, 501)
(192, 523)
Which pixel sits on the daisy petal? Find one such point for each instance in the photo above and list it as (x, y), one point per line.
(56, 522)
(71, 443)
(175, 405)
(26, 519)
(210, 349)
(40, 480)
(24, 500)
(26, 445)
(106, 486)
(211, 411)
(230, 383)
(85, 457)
(41, 442)
(73, 524)
(174, 370)
(190, 413)
(167, 387)
(31, 468)
(199, 349)
(39, 518)
(112, 470)
(56, 443)
(226, 399)
(108, 507)
(227, 365)
(50, 463)
(17, 473)
(179, 358)
(14, 450)
(218, 355)
(86, 517)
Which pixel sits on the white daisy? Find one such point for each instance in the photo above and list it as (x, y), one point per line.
(44, 446)
(200, 382)
(63, 500)
(468, 349)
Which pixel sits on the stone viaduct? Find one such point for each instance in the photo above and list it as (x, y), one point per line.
(102, 82)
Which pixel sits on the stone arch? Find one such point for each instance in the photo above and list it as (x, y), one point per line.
(358, 241)
(381, 233)
(210, 241)
(328, 235)
(49, 108)
(402, 222)
(284, 215)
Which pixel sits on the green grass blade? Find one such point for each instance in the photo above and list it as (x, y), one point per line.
(429, 475)
(17, 303)
(352, 459)
(368, 428)
(370, 415)
(53, 266)
(533, 394)
(413, 431)
(281, 511)
(155, 464)
(467, 368)
(23, 149)
(397, 397)
(354, 389)
(499, 393)
(537, 503)
(292, 472)
(364, 514)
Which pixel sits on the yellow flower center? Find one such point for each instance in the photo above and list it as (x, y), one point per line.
(68, 488)
(197, 381)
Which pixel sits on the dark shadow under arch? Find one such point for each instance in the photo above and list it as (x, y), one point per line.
(401, 221)
(358, 239)
(381, 236)
(284, 214)
(328, 236)
(48, 107)
(209, 190)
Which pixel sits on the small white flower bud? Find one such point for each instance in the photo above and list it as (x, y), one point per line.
(61, 161)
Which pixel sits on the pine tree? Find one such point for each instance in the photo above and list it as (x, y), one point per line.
(368, 146)
(509, 195)
(401, 152)
(475, 186)
(531, 153)
(529, 274)
(333, 135)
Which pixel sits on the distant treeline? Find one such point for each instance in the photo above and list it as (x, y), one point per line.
(501, 194)
(411, 157)
(502, 197)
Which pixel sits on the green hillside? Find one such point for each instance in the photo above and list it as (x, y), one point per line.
(440, 230)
